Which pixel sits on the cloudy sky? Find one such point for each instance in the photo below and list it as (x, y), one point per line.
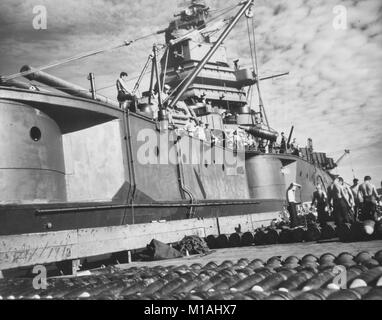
(333, 92)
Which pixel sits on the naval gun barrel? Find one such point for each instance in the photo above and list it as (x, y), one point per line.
(64, 86)
(261, 133)
(17, 84)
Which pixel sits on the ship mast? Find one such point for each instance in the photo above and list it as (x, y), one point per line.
(214, 48)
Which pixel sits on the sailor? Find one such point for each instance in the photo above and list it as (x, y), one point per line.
(295, 148)
(338, 202)
(348, 197)
(292, 203)
(166, 92)
(380, 190)
(191, 128)
(282, 143)
(124, 94)
(200, 133)
(320, 201)
(354, 189)
(263, 146)
(367, 193)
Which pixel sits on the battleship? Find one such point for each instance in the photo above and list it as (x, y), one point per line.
(82, 175)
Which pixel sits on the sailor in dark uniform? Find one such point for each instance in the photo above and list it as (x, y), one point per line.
(283, 143)
(124, 95)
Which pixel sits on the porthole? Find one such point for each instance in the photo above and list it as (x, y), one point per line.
(35, 134)
(157, 151)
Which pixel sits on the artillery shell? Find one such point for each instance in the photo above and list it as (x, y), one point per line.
(256, 264)
(260, 238)
(363, 257)
(243, 261)
(369, 227)
(354, 272)
(196, 266)
(374, 294)
(328, 231)
(291, 260)
(272, 236)
(367, 278)
(247, 239)
(286, 236)
(349, 294)
(344, 232)
(235, 240)
(345, 259)
(357, 232)
(246, 271)
(326, 266)
(281, 295)
(227, 283)
(274, 262)
(171, 286)
(309, 258)
(327, 258)
(379, 282)
(298, 234)
(210, 283)
(154, 287)
(378, 257)
(212, 242)
(313, 233)
(210, 265)
(222, 241)
(296, 280)
(222, 296)
(188, 286)
(273, 281)
(138, 287)
(370, 264)
(102, 290)
(378, 230)
(226, 264)
(319, 280)
(253, 295)
(250, 281)
(318, 294)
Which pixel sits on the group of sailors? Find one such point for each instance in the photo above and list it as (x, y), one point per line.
(236, 139)
(292, 148)
(346, 204)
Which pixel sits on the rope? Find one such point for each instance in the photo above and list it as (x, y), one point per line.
(75, 58)
(165, 68)
(261, 104)
(352, 168)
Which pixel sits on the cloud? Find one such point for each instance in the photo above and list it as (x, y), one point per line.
(333, 92)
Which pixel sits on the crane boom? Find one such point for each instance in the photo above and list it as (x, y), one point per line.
(342, 157)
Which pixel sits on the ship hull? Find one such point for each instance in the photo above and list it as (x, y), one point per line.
(108, 179)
